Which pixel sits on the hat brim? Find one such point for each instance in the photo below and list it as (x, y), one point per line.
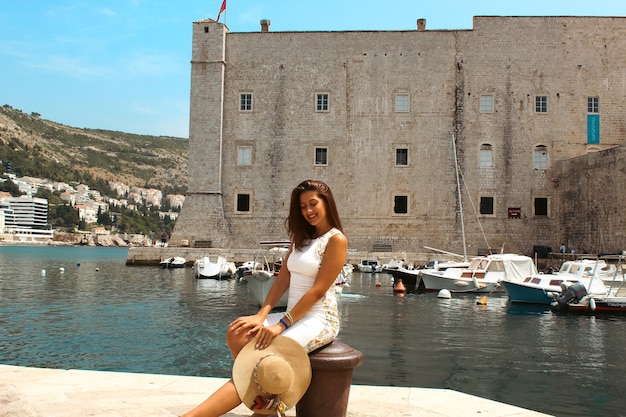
(282, 346)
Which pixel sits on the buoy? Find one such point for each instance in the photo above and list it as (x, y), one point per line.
(482, 301)
(43, 272)
(444, 293)
(77, 263)
(97, 269)
(61, 269)
(400, 288)
(378, 284)
(592, 304)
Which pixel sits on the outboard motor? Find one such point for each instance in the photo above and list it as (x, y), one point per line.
(574, 292)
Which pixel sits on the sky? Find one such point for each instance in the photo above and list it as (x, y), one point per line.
(124, 65)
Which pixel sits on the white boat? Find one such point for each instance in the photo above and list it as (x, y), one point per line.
(394, 264)
(586, 268)
(267, 265)
(369, 265)
(173, 262)
(247, 266)
(482, 275)
(578, 298)
(220, 269)
(546, 288)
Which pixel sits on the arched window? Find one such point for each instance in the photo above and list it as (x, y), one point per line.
(540, 157)
(485, 158)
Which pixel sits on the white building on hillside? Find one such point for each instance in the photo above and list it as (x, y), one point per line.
(24, 218)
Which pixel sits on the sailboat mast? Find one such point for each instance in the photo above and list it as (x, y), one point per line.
(458, 195)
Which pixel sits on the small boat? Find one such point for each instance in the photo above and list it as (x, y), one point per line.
(577, 298)
(484, 274)
(220, 269)
(394, 264)
(267, 264)
(247, 266)
(173, 262)
(546, 288)
(369, 265)
(412, 278)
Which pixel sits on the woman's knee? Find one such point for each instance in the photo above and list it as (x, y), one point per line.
(236, 341)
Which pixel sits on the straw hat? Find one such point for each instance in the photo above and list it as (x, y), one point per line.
(273, 379)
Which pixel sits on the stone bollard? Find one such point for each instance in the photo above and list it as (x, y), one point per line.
(332, 367)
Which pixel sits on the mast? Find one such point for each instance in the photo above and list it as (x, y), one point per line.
(458, 196)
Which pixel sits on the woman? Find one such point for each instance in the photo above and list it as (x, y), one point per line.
(315, 259)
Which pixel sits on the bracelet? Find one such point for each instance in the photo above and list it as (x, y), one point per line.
(284, 323)
(288, 315)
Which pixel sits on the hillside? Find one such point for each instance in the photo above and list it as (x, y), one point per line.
(42, 148)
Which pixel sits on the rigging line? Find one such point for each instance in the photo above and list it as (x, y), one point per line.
(474, 208)
(458, 194)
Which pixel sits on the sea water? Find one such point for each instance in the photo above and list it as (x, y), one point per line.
(81, 307)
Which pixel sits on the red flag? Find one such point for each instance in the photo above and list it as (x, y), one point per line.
(223, 8)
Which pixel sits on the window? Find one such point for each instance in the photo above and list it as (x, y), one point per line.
(541, 104)
(243, 203)
(486, 205)
(402, 156)
(485, 156)
(400, 204)
(322, 102)
(541, 206)
(540, 157)
(244, 155)
(486, 104)
(321, 156)
(593, 104)
(245, 102)
(402, 102)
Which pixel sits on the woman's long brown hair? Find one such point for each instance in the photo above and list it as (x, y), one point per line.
(298, 228)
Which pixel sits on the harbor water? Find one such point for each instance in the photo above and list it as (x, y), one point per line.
(83, 308)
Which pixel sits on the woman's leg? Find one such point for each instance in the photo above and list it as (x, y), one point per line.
(226, 398)
(221, 402)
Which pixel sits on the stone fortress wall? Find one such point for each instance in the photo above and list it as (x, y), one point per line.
(446, 75)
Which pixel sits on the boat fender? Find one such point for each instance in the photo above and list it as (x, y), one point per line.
(592, 304)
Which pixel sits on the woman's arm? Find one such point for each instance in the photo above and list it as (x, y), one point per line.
(252, 324)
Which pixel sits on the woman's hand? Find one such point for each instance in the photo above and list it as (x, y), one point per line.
(248, 324)
(267, 334)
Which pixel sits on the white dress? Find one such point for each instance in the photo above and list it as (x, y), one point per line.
(320, 325)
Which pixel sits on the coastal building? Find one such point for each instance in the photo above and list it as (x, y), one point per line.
(25, 219)
(520, 117)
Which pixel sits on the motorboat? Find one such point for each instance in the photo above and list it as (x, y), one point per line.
(546, 288)
(483, 274)
(394, 264)
(586, 268)
(246, 266)
(369, 265)
(173, 262)
(577, 298)
(267, 264)
(220, 269)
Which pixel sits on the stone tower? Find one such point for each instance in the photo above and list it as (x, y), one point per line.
(202, 221)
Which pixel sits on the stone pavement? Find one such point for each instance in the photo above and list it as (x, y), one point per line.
(37, 392)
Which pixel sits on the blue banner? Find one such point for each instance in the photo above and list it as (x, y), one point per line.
(593, 129)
